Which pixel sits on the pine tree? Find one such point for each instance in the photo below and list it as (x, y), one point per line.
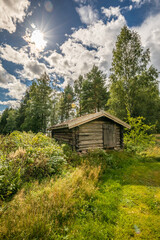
(39, 105)
(3, 121)
(78, 88)
(21, 112)
(94, 91)
(68, 98)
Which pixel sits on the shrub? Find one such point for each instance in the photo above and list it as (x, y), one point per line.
(73, 157)
(108, 160)
(26, 156)
(138, 138)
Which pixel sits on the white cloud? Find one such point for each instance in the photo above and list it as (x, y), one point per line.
(129, 8)
(11, 54)
(100, 33)
(11, 12)
(32, 69)
(85, 47)
(81, 1)
(15, 88)
(87, 14)
(137, 1)
(11, 103)
(111, 11)
(150, 36)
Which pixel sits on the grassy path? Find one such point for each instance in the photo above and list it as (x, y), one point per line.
(126, 206)
(139, 205)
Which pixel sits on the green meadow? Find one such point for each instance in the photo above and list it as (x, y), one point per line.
(95, 196)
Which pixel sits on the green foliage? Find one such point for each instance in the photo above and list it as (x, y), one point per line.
(21, 112)
(138, 138)
(68, 99)
(34, 112)
(72, 157)
(78, 89)
(26, 156)
(94, 91)
(116, 201)
(38, 107)
(108, 160)
(8, 121)
(46, 210)
(133, 85)
(3, 120)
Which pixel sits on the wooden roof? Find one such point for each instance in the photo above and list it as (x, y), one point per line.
(87, 118)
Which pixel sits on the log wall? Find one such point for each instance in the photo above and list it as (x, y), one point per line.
(63, 135)
(88, 135)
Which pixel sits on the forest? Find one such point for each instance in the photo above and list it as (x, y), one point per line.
(48, 191)
(132, 86)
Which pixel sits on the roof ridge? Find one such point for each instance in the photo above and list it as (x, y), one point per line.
(89, 117)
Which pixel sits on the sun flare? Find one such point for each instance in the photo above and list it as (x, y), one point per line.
(38, 39)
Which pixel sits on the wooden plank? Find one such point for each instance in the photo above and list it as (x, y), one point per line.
(70, 139)
(90, 130)
(95, 136)
(67, 139)
(98, 126)
(90, 147)
(90, 134)
(95, 122)
(62, 139)
(109, 135)
(90, 142)
(62, 131)
(63, 136)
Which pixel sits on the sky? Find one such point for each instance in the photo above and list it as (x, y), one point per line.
(65, 38)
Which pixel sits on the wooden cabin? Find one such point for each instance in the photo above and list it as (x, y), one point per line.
(97, 130)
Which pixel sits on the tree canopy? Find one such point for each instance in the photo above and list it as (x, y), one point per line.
(133, 83)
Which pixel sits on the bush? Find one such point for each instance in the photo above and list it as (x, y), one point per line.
(26, 156)
(108, 160)
(138, 138)
(73, 157)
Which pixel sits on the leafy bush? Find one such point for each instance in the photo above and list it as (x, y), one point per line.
(26, 156)
(138, 138)
(108, 160)
(73, 157)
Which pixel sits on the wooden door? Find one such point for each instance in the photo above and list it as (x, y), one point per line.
(109, 136)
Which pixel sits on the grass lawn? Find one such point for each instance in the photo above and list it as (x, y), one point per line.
(122, 201)
(139, 205)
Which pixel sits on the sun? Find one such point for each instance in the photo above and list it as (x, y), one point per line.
(38, 39)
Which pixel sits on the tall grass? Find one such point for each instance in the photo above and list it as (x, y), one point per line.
(47, 210)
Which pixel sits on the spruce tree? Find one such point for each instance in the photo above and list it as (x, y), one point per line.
(94, 91)
(39, 105)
